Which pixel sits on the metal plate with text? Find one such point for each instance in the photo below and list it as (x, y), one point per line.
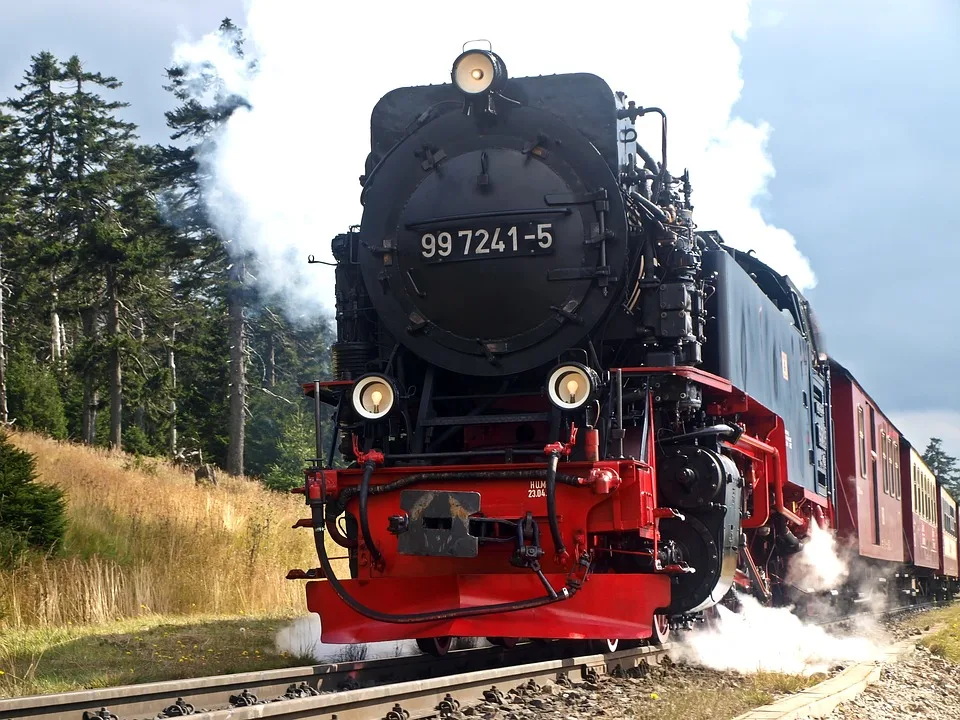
(439, 523)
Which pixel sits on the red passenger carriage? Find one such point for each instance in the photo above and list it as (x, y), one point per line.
(948, 582)
(868, 480)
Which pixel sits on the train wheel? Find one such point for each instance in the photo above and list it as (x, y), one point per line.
(605, 646)
(436, 646)
(661, 629)
(504, 642)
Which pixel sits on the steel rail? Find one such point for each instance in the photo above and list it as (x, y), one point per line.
(885, 614)
(438, 697)
(391, 688)
(357, 688)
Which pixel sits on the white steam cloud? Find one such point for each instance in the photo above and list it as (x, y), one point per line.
(301, 638)
(765, 639)
(761, 638)
(284, 174)
(818, 566)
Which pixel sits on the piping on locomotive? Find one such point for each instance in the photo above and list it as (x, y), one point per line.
(567, 413)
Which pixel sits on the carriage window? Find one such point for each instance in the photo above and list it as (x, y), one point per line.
(863, 442)
(922, 482)
(916, 489)
(883, 462)
(922, 491)
(896, 471)
(890, 464)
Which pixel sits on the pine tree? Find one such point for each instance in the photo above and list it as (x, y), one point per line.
(281, 429)
(34, 402)
(12, 174)
(205, 106)
(32, 515)
(38, 131)
(944, 466)
(97, 152)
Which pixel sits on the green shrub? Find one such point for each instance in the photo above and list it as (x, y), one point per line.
(35, 400)
(32, 515)
(294, 445)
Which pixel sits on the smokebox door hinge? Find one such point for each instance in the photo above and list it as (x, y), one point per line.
(432, 157)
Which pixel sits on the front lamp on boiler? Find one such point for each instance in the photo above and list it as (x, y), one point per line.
(373, 397)
(571, 385)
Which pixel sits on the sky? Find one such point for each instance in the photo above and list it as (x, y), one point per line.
(853, 105)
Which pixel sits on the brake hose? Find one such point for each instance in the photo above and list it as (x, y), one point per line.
(552, 463)
(567, 592)
(368, 468)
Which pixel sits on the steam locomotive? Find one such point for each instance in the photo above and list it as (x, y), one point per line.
(564, 411)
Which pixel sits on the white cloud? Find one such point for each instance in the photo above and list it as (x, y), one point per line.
(285, 173)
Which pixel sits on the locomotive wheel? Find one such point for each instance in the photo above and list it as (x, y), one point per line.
(605, 646)
(436, 646)
(661, 629)
(504, 642)
(699, 550)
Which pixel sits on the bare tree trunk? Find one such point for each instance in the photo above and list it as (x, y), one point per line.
(56, 335)
(91, 397)
(113, 334)
(64, 345)
(238, 379)
(271, 361)
(3, 352)
(140, 413)
(172, 364)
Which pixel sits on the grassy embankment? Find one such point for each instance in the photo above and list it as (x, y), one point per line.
(722, 695)
(945, 638)
(737, 694)
(743, 693)
(157, 577)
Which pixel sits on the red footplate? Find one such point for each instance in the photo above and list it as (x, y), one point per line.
(608, 606)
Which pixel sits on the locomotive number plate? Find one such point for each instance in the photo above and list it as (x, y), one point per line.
(502, 241)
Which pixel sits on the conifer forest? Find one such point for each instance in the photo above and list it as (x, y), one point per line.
(126, 320)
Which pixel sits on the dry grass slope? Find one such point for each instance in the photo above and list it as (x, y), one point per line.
(143, 538)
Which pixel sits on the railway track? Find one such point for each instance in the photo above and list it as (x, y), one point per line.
(404, 688)
(394, 689)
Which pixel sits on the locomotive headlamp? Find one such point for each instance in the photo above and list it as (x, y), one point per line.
(571, 385)
(479, 71)
(373, 397)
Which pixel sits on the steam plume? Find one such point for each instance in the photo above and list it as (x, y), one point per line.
(818, 566)
(760, 638)
(301, 638)
(283, 175)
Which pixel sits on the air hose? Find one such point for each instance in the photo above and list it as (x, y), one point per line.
(368, 468)
(552, 503)
(568, 591)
